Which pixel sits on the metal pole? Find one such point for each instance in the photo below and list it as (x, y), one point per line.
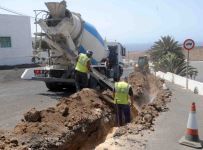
(187, 69)
(35, 25)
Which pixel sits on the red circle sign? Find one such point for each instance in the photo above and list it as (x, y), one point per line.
(189, 44)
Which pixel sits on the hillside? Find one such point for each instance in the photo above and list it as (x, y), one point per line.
(196, 54)
(134, 55)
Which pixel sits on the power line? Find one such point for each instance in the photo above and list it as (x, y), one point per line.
(14, 12)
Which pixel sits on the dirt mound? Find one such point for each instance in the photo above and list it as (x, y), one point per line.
(135, 134)
(152, 100)
(72, 121)
(145, 87)
(82, 120)
(150, 97)
(149, 112)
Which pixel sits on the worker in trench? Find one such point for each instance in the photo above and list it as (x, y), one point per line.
(122, 91)
(81, 70)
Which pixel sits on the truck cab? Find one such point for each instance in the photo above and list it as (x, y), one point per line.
(116, 54)
(116, 49)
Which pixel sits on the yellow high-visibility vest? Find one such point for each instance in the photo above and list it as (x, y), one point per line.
(81, 65)
(121, 92)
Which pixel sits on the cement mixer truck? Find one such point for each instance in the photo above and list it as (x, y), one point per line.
(65, 35)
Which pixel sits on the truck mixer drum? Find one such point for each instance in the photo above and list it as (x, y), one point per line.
(56, 10)
(67, 35)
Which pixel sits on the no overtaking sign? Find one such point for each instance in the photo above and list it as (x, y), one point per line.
(189, 44)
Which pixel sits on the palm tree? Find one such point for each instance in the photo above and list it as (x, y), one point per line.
(172, 63)
(167, 56)
(164, 46)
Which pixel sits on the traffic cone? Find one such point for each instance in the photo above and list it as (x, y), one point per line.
(191, 138)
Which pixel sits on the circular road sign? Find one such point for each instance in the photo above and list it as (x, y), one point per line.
(189, 44)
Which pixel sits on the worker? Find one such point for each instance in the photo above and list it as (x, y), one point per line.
(122, 91)
(81, 70)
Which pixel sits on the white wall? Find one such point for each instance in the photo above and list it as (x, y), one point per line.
(19, 29)
(176, 79)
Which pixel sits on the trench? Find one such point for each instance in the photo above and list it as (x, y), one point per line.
(105, 127)
(82, 121)
(99, 131)
(105, 130)
(95, 134)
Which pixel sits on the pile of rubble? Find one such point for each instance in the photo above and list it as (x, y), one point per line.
(144, 86)
(82, 120)
(149, 111)
(74, 120)
(152, 99)
(146, 117)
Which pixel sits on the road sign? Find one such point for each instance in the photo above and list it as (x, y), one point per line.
(189, 44)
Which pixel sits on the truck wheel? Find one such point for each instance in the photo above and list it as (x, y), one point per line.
(70, 88)
(52, 86)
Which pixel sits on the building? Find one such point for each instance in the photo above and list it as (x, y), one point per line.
(15, 40)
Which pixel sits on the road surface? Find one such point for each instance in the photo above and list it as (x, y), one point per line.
(171, 126)
(198, 65)
(18, 96)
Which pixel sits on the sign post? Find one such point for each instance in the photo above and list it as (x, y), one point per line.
(188, 45)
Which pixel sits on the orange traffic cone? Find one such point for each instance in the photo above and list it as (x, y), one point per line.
(191, 138)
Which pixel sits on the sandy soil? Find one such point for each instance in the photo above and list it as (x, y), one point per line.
(72, 121)
(152, 100)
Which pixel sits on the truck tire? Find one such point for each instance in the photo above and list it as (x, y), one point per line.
(70, 88)
(52, 86)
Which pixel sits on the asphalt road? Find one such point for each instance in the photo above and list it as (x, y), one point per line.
(171, 125)
(198, 65)
(18, 96)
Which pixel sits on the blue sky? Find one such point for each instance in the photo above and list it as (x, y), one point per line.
(131, 21)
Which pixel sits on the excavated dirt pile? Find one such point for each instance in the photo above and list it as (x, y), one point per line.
(75, 119)
(146, 117)
(145, 87)
(84, 119)
(152, 100)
